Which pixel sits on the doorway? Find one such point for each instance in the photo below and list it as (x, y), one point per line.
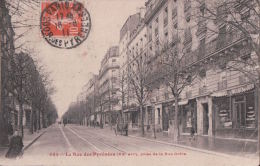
(205, 118)
(240, 112)
(165, 119)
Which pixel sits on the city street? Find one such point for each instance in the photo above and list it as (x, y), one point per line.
(65, 145)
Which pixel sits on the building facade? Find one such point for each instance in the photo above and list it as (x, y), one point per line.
(219, 102)
(109, 85)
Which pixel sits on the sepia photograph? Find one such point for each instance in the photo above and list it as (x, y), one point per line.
(129, 82)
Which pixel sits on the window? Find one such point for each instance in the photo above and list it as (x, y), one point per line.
(113, 60)
(166, 95)
(166, 10)
(157, 42)
(159, 115)
(187, 5)
(174, 13)
(221, 37)
(202, 48)
(165, 18)
(113, 79)
(156, 31)
(166, 34)
(202, 8)
(223, 118)
(150, 33)
(222, 84)
(187, 36)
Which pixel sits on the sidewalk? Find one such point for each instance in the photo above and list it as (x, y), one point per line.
(240, 147)
(28, 140)
(205, 144)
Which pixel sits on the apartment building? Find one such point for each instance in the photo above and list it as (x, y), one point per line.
(109, 85)
(218, 102)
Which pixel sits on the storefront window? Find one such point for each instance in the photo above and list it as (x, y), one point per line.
(244, 111)
(223, 113)
(250, 111)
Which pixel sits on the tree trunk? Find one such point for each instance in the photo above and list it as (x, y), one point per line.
(258, 113)
(20, 128)
(142, 119)
(101, 120)
(153, 121)
(176, 123)
(31, 120)
(37, 119)
(43, 120)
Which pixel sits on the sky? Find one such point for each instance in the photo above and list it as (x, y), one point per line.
(70, 69)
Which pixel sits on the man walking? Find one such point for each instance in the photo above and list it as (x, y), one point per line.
(16, 146)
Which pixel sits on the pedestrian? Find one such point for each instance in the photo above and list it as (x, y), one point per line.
(126, 129)
(16, 146)
(10, 131)
(116, 125)
(64, 122)
(192, 130)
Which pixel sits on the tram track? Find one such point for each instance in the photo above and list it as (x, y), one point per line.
(94, 139)
(120, 141)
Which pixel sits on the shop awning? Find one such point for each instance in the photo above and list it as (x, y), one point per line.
(130, 110)
(183, 102)
(234, 91)
(219, 94)
(241, 89)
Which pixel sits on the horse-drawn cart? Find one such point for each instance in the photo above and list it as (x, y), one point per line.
(122, 128)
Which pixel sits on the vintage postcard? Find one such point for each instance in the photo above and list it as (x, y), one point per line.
(129, 82)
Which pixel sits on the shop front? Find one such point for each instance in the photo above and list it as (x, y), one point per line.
(167, 115)
(131, 116)
(236, 115)
(188, 117)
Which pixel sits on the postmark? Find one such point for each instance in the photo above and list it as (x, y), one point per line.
(65, 24)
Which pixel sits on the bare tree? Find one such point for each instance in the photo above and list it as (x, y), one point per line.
(138, 73)
(122, 92)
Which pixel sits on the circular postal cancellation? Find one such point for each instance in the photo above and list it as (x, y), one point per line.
(64, 24)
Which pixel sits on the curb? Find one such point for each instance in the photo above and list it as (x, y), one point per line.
(190, 148)
(34, 140)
